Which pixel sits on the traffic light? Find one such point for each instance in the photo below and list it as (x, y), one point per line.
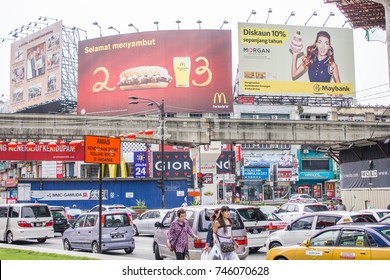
(160, 184)
(200, 180)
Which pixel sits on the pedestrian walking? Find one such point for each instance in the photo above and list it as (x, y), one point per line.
(331, 206)
(178, 235)
(340, 206)
(223, 234)
(210, 238)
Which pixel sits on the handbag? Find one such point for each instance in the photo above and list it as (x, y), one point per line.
(227, 247)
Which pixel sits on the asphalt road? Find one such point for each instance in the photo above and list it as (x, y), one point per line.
(143, 249)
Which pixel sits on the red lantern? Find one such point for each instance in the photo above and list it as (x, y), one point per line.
(131, 136)
(148, 133)
(140, 132)
(121, 136)
(62, 143)
(30, 146)
(52, 145)
(73, 144)
(82, 142)
(41, 144)
(12, 145)
(19, 144)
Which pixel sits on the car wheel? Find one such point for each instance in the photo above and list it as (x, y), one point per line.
(67, 245)
(135, 230)
(95, 247)
(41, 240)
(187, 256)
(281, 259)
(274, 245)
(157, 255)
(10, 237)
(129, 250)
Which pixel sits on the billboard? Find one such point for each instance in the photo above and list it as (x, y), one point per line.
(42, 152)
(296, 60)
(36, 68)
(190, 69)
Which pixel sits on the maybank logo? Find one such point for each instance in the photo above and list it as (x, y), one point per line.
(220, 97)
(316, 87)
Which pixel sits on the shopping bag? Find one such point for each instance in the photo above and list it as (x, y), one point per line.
(215, 253)
(205, 255)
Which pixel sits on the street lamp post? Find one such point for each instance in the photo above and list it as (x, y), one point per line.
(160, 106)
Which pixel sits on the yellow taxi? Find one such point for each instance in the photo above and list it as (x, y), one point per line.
(340, 242)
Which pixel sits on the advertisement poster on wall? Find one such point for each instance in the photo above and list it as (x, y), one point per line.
(191, 70)
(296, 60)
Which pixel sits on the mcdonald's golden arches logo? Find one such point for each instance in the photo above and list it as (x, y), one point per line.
(220, 97)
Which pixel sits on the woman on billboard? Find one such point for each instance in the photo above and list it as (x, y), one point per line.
(318, 61)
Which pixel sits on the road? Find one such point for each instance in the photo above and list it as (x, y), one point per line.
(143, 249)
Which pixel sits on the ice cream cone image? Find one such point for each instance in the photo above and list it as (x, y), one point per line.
(296, 42)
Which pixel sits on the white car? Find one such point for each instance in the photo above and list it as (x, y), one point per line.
(305, 227)
(145, 223)
(291, 211)
(385, 219)
(305, 198)
(378, 213)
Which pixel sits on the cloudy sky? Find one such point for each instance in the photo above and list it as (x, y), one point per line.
(371, 73)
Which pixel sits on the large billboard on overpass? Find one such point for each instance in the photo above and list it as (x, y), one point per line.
(190, 69)
(296, 60)
(36, 68)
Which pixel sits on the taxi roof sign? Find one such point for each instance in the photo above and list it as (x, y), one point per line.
(99, 149)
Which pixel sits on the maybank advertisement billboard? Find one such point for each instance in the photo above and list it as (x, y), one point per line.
(296, 60)
(190, 69)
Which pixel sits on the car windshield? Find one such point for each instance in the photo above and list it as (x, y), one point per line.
(315, 208)
(58, 213)
(381, 214)
(251, 214)
(363, 218)
(116, 220)
(204, 219)
(35, 211)
(385, 232)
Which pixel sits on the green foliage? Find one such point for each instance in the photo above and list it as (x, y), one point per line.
(141, 204)
(14, 254)
(195, 202)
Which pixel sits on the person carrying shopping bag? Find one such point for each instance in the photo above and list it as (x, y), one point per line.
(223, 234)
(177, 235)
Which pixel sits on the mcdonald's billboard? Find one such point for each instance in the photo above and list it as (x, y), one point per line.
(190, 69)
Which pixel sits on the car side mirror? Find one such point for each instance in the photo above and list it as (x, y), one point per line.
(288, 227)
(306, 243)
(158, 225)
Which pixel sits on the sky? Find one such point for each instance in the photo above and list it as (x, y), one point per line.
(371, 71)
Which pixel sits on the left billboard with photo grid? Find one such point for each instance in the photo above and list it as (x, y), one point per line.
(36, 68)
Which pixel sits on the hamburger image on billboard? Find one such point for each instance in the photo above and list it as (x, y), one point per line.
(296, 60)
(191, 74)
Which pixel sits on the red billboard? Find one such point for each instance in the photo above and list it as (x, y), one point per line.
(190, 69)
(41, 152)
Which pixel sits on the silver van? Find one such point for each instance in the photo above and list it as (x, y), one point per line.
(199, 219)
(24, 221)
(117, 232)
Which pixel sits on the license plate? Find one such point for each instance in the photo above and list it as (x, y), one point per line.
(38, 224)
(116, 236)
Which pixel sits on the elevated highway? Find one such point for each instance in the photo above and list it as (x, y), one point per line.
(185, 131)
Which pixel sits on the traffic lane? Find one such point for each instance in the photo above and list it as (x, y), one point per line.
(143, 249)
